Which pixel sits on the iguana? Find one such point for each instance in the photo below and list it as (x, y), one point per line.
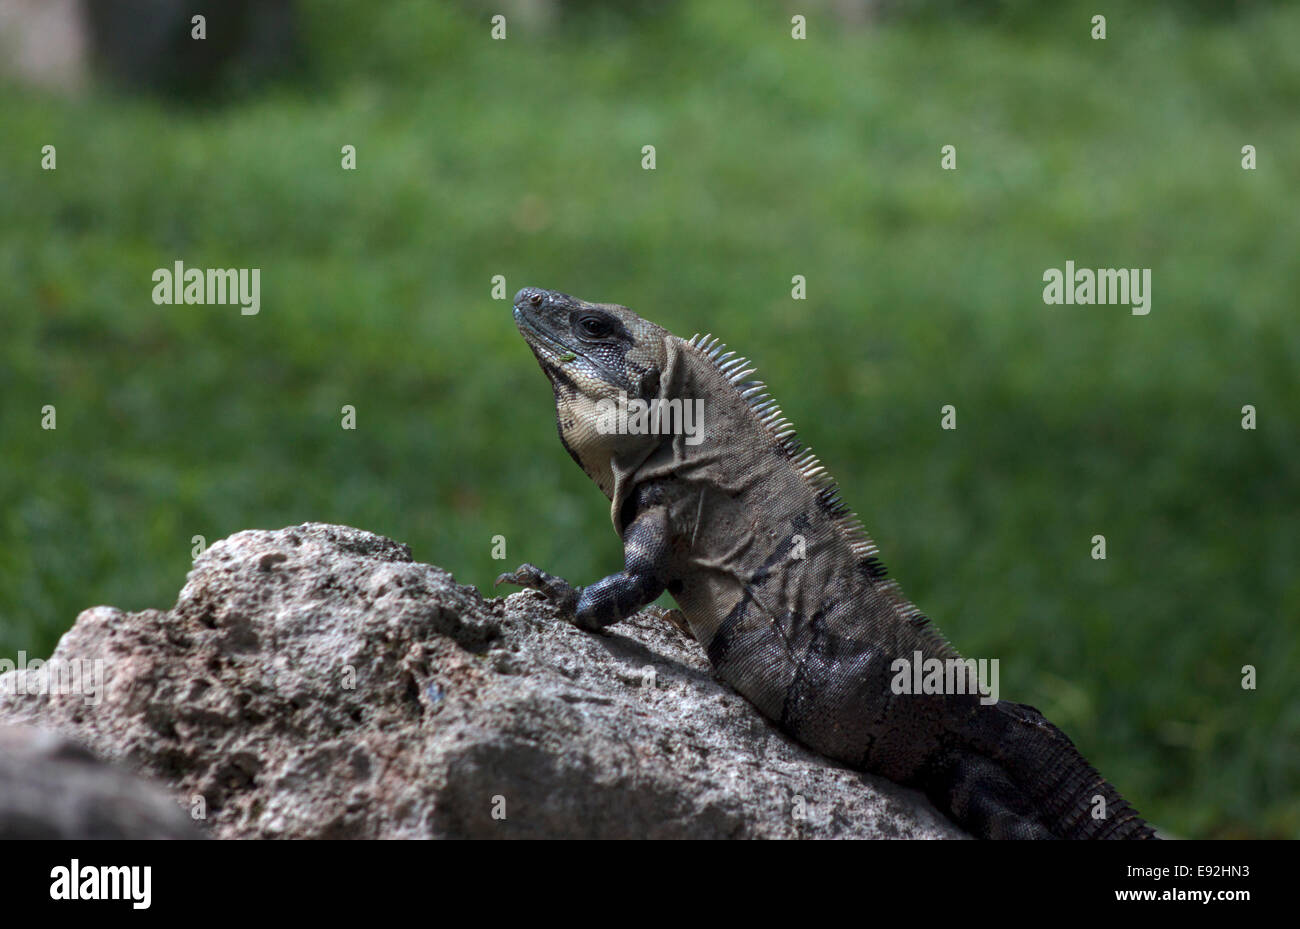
(779, 582)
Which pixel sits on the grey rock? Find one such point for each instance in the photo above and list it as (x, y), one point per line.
(53, 788)
(316, 682)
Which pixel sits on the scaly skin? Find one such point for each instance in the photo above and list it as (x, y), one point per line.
(780, 584)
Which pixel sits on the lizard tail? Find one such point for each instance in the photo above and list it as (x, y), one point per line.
(1017, 776)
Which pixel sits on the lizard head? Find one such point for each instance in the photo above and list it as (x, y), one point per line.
(591, 352)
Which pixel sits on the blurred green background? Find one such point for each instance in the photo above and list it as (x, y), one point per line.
(774, 158)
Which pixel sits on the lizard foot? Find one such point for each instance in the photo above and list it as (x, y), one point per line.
(556, 589)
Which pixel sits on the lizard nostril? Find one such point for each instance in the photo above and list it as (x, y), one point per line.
(535, 299)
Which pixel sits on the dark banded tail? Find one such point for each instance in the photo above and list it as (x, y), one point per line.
(1017, 776)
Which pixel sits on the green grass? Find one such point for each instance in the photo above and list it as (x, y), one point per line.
(775, 158)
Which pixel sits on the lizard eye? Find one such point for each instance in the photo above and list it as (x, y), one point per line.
(594, 327)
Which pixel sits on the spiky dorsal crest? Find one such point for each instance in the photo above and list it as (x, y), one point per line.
(738, 370)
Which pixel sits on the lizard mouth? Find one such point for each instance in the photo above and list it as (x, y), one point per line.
(534, 336)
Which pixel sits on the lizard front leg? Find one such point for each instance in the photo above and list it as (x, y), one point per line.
(618, 596)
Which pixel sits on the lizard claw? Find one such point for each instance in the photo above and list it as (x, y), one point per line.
(556, 589)
(525, 575)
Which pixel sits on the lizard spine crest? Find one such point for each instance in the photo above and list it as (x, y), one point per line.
(737, 370)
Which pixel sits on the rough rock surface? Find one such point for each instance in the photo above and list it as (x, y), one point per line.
(316, 682)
